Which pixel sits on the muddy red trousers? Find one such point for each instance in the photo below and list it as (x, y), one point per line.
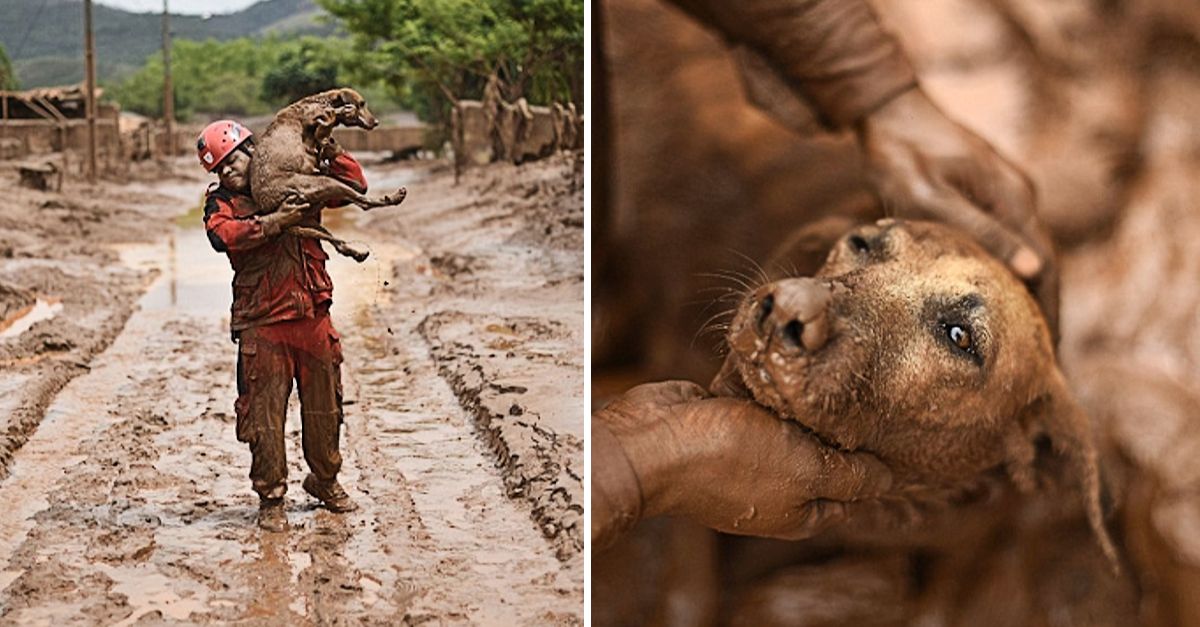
(307, 351)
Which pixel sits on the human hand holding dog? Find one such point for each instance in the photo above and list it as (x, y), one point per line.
(668, 449)
(290, 213)
(926, 166)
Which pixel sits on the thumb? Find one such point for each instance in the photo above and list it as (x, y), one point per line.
(851, 477)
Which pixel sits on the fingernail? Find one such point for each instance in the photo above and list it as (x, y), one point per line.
(1026, 263)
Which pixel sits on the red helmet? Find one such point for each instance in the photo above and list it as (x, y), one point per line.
(218, 140)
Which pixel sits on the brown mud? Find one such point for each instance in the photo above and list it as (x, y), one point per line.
(127, 497)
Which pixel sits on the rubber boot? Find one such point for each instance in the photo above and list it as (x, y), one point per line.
(331, 495)
(272, 515)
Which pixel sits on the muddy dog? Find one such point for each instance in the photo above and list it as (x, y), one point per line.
(913, 343)
(292, 157)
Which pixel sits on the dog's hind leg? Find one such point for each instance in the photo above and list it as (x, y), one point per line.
(340, 245)
(390, 200)
(324, 191)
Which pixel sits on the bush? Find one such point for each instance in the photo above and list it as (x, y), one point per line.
(307, 67)
(432, 52)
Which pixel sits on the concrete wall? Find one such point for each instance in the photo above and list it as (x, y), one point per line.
(384, 138)
(393, 138)
(514, 132)
(25, 137)
(42, 136)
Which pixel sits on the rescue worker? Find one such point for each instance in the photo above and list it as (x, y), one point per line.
(280, 321)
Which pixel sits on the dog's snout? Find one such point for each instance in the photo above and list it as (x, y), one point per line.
(796, 313)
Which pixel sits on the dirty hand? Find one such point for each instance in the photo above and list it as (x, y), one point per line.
(926, 166)
(290, 213)
(730, 464)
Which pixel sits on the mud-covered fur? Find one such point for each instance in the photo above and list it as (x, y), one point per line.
(891, 379)
(293, 154)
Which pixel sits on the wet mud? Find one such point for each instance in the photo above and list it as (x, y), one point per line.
(129, 502)
(481, 356)
(63, 296)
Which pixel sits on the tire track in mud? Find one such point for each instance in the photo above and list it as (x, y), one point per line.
(500, 287)
(469, 535)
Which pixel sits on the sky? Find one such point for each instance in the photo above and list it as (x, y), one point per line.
(190, 7)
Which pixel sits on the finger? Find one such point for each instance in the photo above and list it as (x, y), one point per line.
(1002, 242)
(809, 519)
(665, 393)
(850, 476)
(1012, 198)
(1046, 292)
(999, 188)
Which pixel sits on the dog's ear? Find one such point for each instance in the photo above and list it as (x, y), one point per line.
(1056, 427)
(347, 96)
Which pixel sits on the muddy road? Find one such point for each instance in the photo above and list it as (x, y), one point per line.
(125, 491)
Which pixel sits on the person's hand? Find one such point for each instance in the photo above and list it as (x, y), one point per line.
(926, 166)
(291, 211)
(731, 465)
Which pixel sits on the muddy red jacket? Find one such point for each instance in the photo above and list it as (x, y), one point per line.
(276, 276)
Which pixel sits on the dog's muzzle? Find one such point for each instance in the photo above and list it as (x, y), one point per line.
(793, 314)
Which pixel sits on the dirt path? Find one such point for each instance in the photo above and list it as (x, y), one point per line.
(129, 502)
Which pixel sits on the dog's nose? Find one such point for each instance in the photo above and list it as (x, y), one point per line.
(796, 313)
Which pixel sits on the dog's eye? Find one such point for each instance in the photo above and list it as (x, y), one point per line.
(960, 336)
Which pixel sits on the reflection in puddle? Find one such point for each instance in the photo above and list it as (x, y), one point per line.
(196, 279)
(42, 309)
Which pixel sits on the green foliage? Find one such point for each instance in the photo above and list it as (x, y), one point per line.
(223, 77)
(238, 77)
(309, 67)
(432, 52)
(8, 80)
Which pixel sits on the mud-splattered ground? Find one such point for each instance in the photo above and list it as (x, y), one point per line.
(129, 500)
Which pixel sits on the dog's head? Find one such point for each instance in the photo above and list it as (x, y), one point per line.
(355, 107)
(913, 343)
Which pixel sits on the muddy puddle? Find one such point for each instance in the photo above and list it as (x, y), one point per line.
(195, 279)
(41, 309)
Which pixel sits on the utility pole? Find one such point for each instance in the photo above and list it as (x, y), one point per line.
(89, 45)
(168, 89)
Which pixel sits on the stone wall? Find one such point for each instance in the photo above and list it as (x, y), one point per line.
(493, 130)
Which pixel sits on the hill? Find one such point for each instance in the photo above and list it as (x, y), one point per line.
(44, 38)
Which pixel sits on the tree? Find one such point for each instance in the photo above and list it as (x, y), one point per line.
(217, 77)
(433, 52)
(8, 80)
(305, 67)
